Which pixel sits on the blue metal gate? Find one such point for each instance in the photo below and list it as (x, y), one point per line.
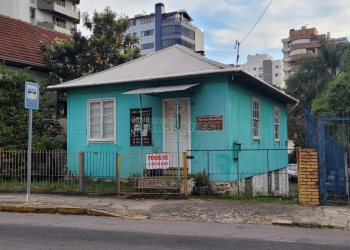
(331, 138)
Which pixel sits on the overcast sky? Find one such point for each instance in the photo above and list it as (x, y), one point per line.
(225, 21)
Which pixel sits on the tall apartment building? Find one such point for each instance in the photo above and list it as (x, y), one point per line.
(265, 68)
(160, 30)
(58, 15)
(301, 44)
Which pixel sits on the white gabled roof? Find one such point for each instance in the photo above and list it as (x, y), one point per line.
(173, 61)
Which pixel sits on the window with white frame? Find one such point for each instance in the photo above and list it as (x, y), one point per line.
(256, 118)
(101, 119)
(276, 123)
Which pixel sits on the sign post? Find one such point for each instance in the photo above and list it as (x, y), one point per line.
(31, 101)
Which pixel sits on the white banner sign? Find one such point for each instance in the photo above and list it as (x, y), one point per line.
(158, 161)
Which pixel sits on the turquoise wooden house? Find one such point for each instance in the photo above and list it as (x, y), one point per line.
(188, 102)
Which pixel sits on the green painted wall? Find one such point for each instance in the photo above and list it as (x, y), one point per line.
(214, 96)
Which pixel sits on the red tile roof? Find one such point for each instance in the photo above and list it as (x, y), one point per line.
(20, 41)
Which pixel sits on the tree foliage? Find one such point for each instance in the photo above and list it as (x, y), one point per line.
(331, 55)
(305, 85)
(14, 117)
(335, 100)
(107, 46)
(309, 85)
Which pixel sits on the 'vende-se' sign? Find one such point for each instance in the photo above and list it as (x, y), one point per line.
(157, 161)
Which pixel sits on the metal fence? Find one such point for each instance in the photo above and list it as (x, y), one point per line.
(153, 173)
(331, 138)
(50, 172)
(248, 172)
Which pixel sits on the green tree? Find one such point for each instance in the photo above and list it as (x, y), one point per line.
(107, 46)
(311, 82)
(308, 83)
(14, 117)
(335, 101)
(345, 61)
(331, 55)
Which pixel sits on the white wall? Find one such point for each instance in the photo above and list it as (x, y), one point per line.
(138, 28)
(278, 74)
(199, 40)
(18, 9)
(254, 66)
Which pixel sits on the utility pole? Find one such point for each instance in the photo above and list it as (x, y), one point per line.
(237, 44)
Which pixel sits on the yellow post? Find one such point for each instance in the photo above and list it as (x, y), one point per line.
(118, 173)
(184, 169)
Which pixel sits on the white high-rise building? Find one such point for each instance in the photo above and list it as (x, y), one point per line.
(58, 15)
(265, 68)
(160, 30)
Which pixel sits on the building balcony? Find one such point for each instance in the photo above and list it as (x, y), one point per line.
(53, 7)
(286, 49)
(53, 26)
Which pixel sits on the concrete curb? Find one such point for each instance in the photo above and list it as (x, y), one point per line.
(310, 224)
(65, 210)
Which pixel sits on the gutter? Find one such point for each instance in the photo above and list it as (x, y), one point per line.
(294, 106)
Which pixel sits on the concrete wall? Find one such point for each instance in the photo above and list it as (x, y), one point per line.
(199, 40)
(264, 67)
(275, 183)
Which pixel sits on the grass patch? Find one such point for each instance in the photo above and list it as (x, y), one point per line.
(40, 186)
(90, 186)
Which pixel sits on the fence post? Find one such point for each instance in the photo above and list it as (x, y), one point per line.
(269, 175)
(81, 171)
(184, 166)
(118, 173)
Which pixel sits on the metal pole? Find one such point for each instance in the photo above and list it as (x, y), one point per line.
(178, 137)
(118, 174)
(29, 153)
(184, 165)
(81, 170)
(141, 132)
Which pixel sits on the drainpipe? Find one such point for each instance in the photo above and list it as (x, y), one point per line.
(294, 106)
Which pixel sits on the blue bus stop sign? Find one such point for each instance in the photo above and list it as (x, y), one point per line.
(31, 96)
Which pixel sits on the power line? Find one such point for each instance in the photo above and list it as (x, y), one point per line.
(262, 14)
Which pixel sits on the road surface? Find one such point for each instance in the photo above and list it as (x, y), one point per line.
(41, 231)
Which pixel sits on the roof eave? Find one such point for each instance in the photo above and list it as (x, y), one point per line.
(169, 77)
(25, 63)
(279, 93)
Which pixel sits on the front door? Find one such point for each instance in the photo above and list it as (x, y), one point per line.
(170, 136)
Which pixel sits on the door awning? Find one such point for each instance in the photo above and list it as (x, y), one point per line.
(162, 89)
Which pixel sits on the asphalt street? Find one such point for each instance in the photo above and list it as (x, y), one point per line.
(40, 231)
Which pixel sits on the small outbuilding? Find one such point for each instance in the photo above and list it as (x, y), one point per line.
(189, 103)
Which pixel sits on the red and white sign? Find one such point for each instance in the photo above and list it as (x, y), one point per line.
(158, 161)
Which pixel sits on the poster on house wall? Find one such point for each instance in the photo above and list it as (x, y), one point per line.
(135, 127)
(209, 122)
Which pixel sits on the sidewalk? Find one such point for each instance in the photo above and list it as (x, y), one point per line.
(194, 209)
